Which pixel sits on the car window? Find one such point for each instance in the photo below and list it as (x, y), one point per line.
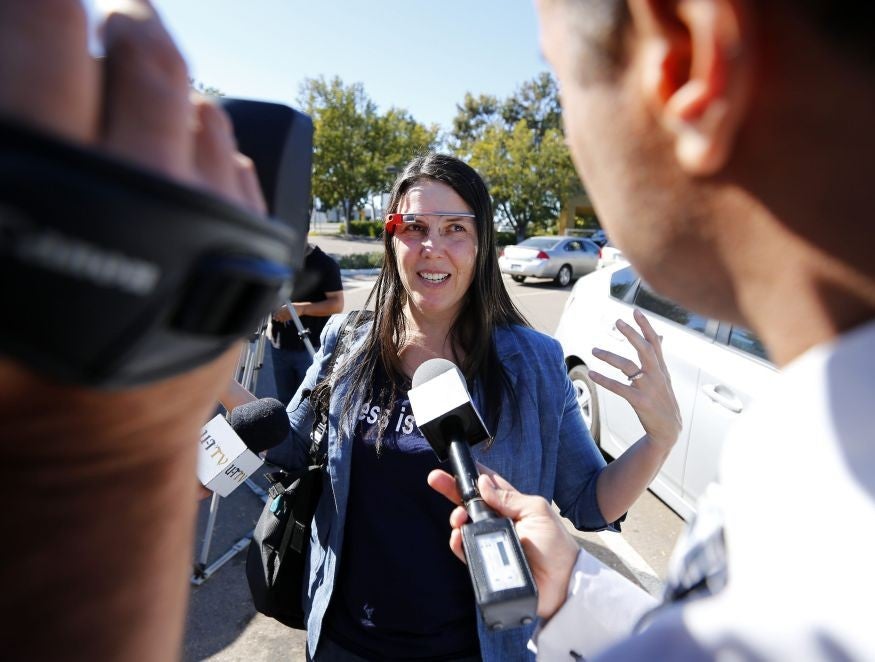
(572, 246)
(651, 301)
(747, 341)
(591, 247)
(621, 281)
(541, 243)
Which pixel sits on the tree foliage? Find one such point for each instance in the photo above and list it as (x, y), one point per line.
(357, 149)
(518, 147)
(537, 102)
(473, 116)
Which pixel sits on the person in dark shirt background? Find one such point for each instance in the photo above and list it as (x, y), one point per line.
(318, 295)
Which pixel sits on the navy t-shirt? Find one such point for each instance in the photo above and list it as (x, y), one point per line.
(400, 592)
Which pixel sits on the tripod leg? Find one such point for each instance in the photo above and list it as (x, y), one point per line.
(303, 334)
(245, 364)
(259, 358)
(208, 534)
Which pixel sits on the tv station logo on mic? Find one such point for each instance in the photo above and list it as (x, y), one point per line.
(223, 460)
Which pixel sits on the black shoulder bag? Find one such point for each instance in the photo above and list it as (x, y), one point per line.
(277, 557)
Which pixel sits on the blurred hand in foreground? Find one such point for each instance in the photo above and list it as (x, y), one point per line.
(117, 466)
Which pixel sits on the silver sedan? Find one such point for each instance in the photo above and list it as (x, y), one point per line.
(561, 258)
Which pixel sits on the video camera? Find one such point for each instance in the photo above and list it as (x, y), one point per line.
(113, 276)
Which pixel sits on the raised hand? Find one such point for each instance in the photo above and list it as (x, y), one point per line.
(648, 389)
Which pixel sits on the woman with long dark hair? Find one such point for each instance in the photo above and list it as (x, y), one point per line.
(383, 584)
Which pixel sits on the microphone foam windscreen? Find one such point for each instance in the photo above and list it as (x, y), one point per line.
(431, 369)
(260, 424)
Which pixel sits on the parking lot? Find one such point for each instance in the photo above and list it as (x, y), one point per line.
(224, 627)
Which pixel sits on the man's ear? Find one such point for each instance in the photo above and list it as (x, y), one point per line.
(695, 59)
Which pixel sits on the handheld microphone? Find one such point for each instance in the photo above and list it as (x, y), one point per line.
(228, 450)
(500, 575)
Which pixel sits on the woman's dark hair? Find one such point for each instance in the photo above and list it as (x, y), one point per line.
(486, 305)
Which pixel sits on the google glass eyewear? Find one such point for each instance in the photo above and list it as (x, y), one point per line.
(394, 220)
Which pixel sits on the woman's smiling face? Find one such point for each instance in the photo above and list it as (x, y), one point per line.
(436, 256)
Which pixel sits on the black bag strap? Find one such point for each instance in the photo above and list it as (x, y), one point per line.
(294, 535)
(319, 434)
(279, 482)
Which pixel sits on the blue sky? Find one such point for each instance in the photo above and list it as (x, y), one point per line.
(413, 54)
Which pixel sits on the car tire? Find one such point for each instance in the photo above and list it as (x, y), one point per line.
(563, 278)
(584, 391)
(519, 279)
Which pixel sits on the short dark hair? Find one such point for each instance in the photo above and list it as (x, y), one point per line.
(600, 24)
(849, 25)
(487, 304)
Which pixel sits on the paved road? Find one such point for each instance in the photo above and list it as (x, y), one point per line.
(222, 625)
(338, 245)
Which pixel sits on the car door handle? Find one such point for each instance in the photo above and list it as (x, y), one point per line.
(723, 397)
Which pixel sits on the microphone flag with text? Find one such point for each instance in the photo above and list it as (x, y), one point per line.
(500, 575)
(228, 449)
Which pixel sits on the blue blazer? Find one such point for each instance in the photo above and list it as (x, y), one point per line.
(545, 449)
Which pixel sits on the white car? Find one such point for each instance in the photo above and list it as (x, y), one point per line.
(716, 368)
(609, 255)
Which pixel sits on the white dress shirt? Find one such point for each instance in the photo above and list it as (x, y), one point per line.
(797, 504)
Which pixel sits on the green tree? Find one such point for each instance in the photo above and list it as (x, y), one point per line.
(344, 121)
(400, 138)
(528, 175)
(537, 102)
(517, 145)
(473, 117)
(355, 146)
